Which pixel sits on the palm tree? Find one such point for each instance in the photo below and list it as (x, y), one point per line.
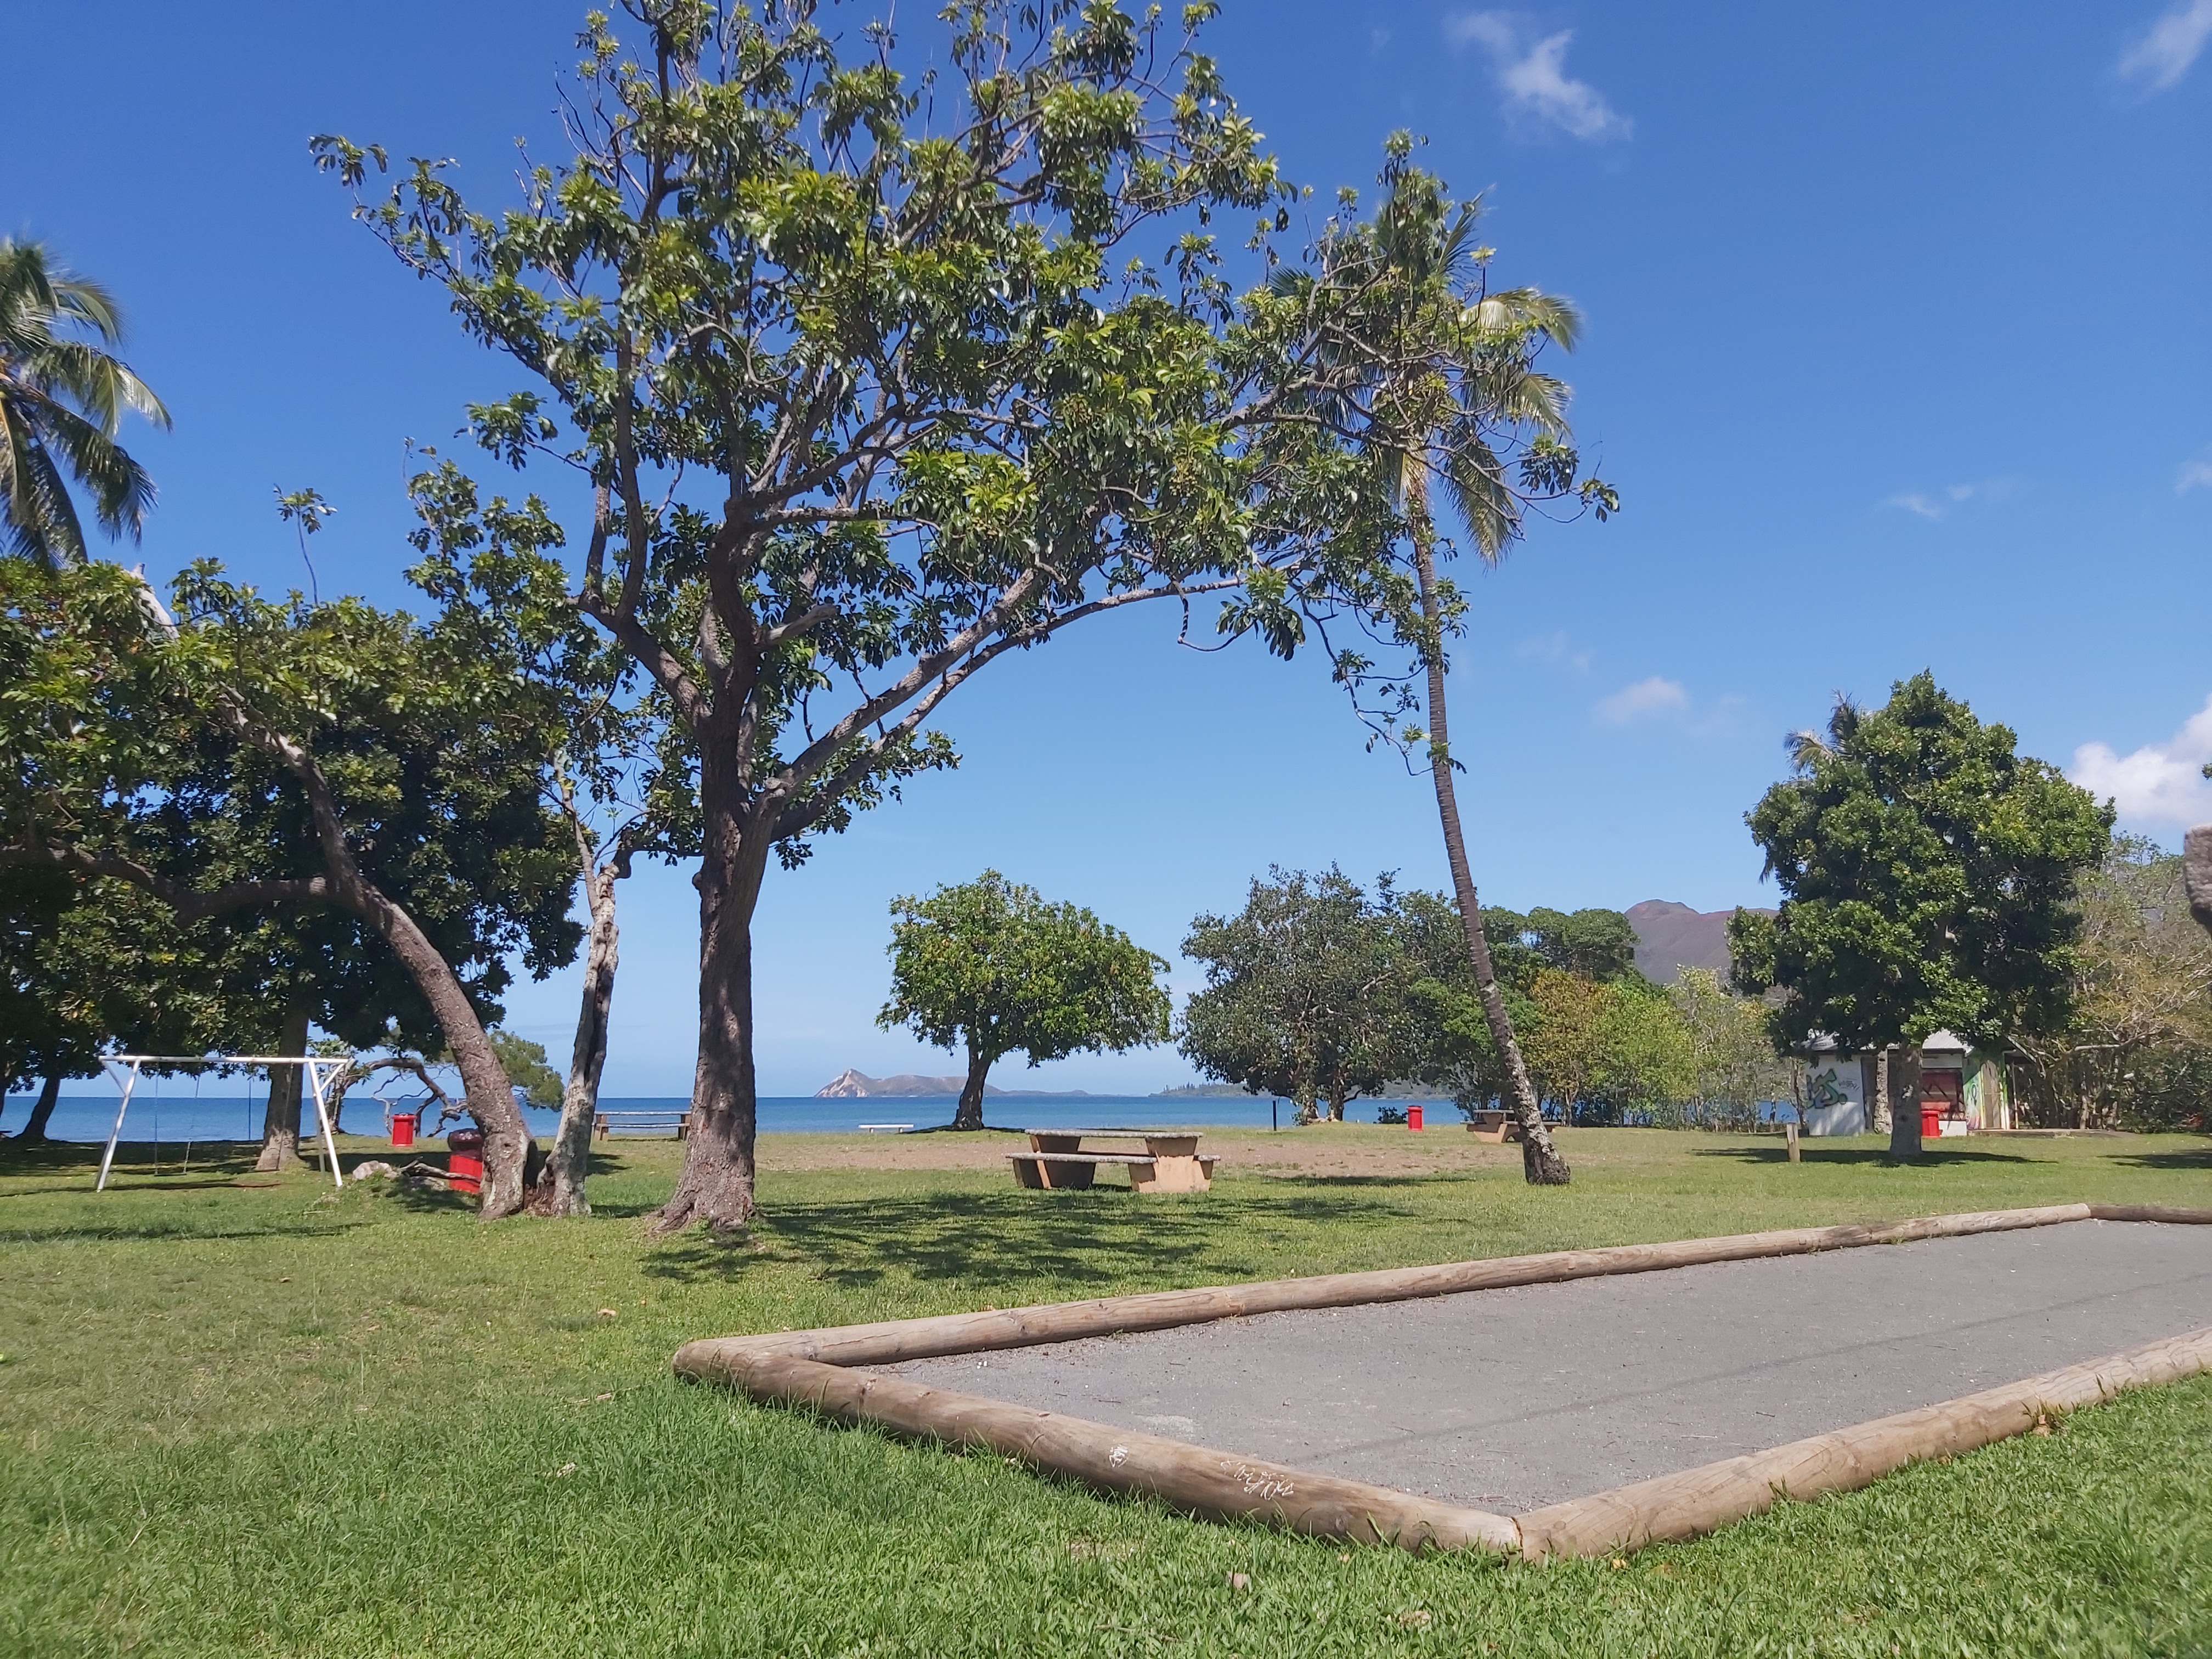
(61, 400)
(1449, 382)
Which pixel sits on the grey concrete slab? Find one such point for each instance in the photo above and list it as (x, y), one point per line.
(1510, 1399)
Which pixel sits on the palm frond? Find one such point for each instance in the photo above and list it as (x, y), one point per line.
(42, 522)
(122, 490)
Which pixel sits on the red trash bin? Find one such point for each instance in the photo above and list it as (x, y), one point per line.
(403, 1129)
(1412, 1115)
(1932, 1123)
(464, 1160)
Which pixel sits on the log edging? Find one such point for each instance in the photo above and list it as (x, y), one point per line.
(811, 1369)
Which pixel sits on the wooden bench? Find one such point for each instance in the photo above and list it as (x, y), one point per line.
(1171, 1162)
(1494, 1126)
(604, 1123)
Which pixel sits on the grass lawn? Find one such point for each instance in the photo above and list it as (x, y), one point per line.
(240, 1413)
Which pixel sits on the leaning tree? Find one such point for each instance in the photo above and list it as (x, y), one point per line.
(368, 764)
(993, 967)
(1444, 400)
(853, 350)
(1929, 875)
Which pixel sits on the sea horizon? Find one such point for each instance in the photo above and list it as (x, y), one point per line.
(167, 1116)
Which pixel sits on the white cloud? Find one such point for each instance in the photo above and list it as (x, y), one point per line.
(1556, 649)
(2194, 474)
(1532, 75)
(2163, 53)
(1938, 505)
(1646, 700)
(2160, 782)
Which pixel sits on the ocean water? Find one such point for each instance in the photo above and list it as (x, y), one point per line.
(169, 1109)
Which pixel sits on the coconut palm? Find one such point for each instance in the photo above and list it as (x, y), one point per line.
(61, 398)
(1451, 400)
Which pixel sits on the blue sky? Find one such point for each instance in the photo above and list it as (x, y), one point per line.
(1897, 349)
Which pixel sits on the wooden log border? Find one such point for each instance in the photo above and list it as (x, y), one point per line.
(811, 1369)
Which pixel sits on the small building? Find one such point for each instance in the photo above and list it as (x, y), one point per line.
(1965, 1087)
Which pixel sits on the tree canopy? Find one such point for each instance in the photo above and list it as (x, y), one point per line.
(1306, 991)
(993, 967)
(249, 757)
(869, 385)
(1927, 874)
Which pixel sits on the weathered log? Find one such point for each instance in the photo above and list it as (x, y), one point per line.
(1698, 1500)
(810, 1369)
(893, 1341)
(1220, 1485)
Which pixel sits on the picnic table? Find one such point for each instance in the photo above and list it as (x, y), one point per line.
(1493, 1126)
(1170, 1163)
(640, 1122)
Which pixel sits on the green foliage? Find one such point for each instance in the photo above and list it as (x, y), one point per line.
(991, 966)
(1438, 390)
(1307, 991)
(1928, 875)
(2136, 1050)
(63, 398)
(527, 1067)
(128, 762)
(1732, 1066)
(880, 315)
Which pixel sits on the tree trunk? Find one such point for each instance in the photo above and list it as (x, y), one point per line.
(716, 1184)
(1336, 1105)
(1881, 1113)
(560, 1189)
(969, 1113)
(489, 1096)
(280, 1122)
(1904, 1110)
(34, 1131)
(1540, 1162)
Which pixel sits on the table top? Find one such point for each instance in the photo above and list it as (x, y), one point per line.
(1041, 1140)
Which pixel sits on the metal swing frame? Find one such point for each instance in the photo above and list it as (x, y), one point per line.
(320, 1071)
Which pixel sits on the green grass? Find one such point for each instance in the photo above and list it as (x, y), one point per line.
(265, 1420)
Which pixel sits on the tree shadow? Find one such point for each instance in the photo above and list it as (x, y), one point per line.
(108, 1233)
(2198, 1158)
(1019, 1242)
(1930, 1157)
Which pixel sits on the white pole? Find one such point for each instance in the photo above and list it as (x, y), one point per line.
(318, 1081)
(107, 1158)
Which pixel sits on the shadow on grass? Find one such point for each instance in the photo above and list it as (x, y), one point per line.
(2198, 1158)
(1930, 1157)
(103, 1232)
(1105, 1238)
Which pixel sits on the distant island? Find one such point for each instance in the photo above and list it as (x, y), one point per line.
(849, 1084)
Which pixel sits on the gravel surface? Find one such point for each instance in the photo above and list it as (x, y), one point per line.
(1510, 1399)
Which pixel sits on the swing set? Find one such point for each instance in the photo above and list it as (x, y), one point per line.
(321, 1072)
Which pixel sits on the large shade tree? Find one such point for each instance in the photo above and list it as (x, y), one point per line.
(63, 397)
(1307, 992)
(993, 967)
(374, 766)
(1929, 875)
(867, 383)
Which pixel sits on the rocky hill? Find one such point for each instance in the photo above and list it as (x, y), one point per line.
(1670, 937)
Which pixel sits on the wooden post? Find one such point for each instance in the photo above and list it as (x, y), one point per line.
(1790, 1135)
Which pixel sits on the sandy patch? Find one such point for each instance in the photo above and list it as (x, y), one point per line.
(1344, 1151)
